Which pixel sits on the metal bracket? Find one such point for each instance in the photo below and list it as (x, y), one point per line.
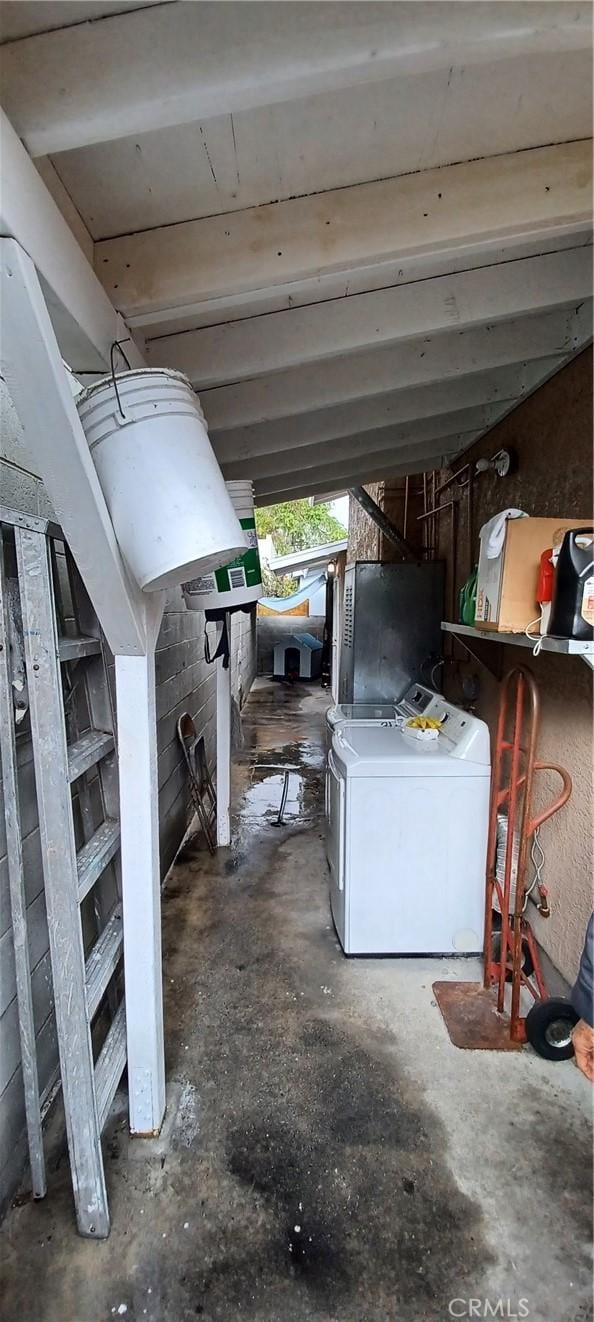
(487, 656)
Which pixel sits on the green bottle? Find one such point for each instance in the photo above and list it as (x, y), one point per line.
(467, 604)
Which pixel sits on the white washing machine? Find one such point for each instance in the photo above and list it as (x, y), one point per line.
(417, 701)
(407, 836)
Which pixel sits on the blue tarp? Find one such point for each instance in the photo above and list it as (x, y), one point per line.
(282, 604)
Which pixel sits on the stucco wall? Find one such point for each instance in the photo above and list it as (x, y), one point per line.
(184, 683)
(552, 434)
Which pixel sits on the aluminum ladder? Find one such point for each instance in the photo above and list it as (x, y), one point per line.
(75, 761)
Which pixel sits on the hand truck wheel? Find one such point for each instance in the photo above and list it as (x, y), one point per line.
(548, 1028)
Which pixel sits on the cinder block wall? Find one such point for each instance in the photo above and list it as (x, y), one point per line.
(184, 683)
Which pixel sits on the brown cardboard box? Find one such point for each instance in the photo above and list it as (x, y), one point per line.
(506, 586)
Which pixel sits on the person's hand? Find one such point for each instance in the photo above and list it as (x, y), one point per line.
(583, 1045)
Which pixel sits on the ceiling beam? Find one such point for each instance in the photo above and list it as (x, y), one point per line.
(359, 445)
(325, 496)
(84, 320)
(259, 345)
(137, 72)
(374, 372)
(455, 212)
(395, 407)
(329, 284)
(371, 467)
(313, 487)
(419, 459)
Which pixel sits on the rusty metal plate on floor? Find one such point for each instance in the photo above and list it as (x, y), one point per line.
(471, 1017)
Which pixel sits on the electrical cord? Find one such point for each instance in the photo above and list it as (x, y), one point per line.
(435, 667)
(537, 858)
(538, 640)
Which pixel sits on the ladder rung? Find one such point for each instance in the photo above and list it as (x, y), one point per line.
(110, 1065)
(93, 858)
(71, 649)
(87, 751)
(103, 960)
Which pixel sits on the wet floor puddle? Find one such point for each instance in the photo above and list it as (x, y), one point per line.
(264, 796)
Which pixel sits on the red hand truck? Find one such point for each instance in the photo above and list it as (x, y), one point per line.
(475, 1016)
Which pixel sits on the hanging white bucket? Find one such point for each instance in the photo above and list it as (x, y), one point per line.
(163, 488)
(240, 582)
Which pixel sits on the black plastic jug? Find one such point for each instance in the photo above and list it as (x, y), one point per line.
(572, 609)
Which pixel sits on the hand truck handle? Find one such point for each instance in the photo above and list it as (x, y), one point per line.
(554, 807)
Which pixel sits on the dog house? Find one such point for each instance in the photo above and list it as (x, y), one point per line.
(298, 657)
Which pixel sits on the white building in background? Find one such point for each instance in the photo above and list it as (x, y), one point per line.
(317, 600)
(267, 550)
(308, 565)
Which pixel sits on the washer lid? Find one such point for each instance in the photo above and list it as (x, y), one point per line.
(361, 711)
(375, 750)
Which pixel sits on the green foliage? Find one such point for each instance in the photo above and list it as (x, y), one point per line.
(277, 587)
(298, 526)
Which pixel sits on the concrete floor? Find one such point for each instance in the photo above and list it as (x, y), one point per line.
(328, 1154)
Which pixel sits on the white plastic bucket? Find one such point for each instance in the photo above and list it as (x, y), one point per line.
(240, 582)
(163, 488)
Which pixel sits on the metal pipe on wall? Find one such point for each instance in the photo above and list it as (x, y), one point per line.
(437, 510)
(453, 535)
(450, 480)
(470, 519)
(424, 529)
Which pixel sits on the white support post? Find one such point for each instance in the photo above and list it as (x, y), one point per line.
(39, 385)
(138, 771)
(223, 747)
